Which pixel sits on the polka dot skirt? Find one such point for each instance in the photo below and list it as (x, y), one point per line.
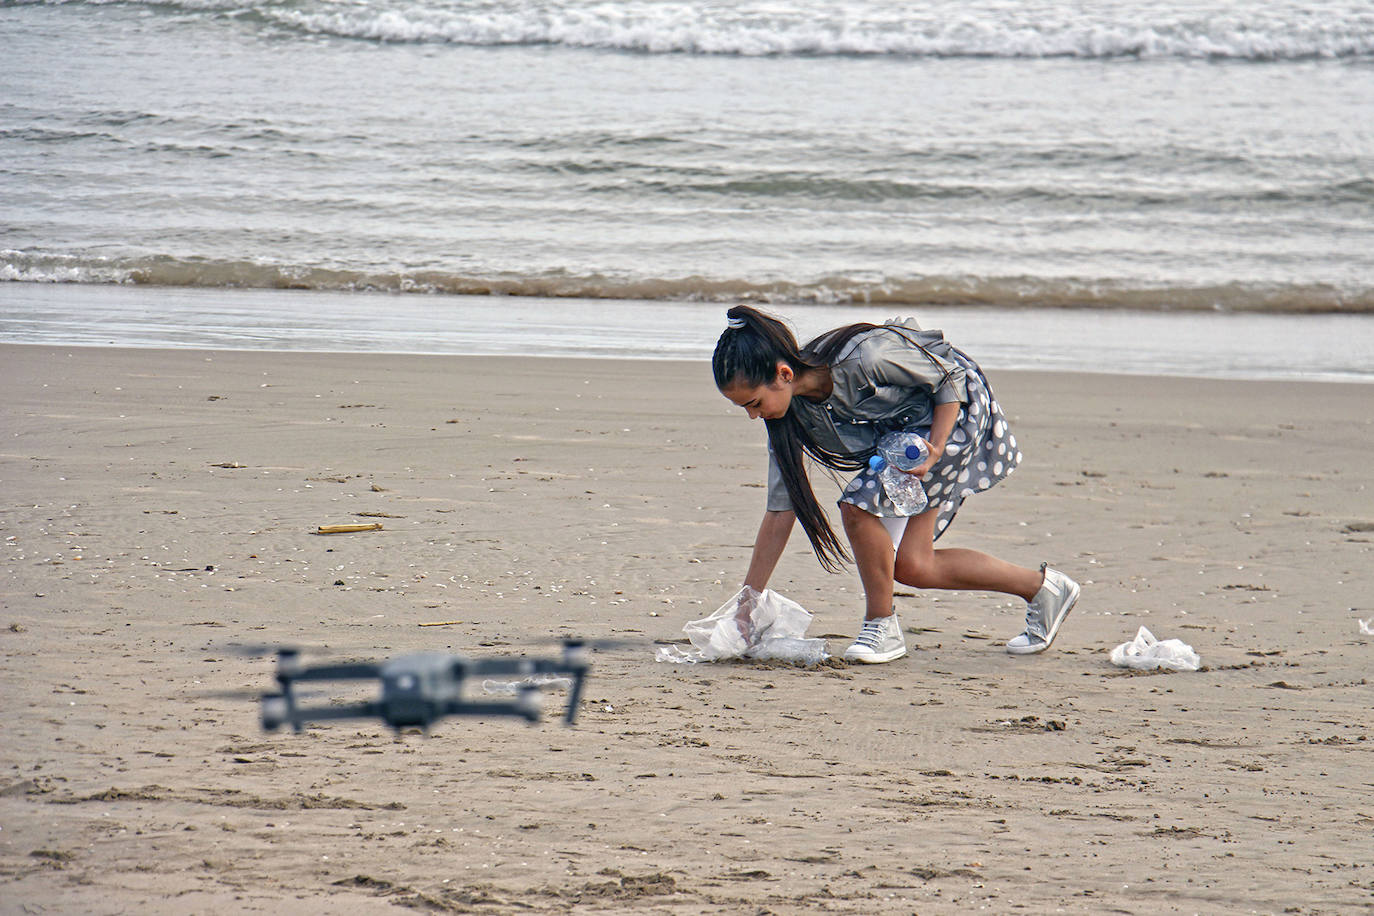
(981, 451)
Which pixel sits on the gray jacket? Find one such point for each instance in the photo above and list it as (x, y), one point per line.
(888, 378)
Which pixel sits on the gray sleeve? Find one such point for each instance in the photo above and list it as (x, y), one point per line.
(778, 500)
(919, 366)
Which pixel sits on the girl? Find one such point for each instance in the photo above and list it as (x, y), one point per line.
(832, 400)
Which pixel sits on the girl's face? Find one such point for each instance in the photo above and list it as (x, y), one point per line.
(768, 401)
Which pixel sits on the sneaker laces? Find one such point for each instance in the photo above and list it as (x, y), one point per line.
(1035, 614)
(871, 633)
(1035, 621)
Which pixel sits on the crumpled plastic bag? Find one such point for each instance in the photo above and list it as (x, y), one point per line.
(752, 624)
(1367, 626)
(1145, 653)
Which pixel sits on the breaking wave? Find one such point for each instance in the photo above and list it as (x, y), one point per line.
(1273, 32)
(1001, 292)
(622, 31)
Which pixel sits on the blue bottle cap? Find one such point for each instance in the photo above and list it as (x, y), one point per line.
(876, 463)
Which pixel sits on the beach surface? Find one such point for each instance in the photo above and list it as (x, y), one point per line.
(161, 509)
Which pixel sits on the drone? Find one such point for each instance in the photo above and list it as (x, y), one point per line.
(421, 688)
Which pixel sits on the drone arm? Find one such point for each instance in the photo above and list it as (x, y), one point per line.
(575, 695)
(297, 717)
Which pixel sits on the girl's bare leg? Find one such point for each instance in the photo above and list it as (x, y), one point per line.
(920, 565)
(872, 549)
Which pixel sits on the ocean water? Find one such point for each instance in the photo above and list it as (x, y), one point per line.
(1169, 157)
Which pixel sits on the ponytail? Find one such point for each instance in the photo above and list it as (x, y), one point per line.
(748, 353)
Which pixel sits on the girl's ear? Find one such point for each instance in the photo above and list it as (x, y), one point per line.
(784, 373)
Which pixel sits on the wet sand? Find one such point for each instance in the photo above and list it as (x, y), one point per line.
(161, 507)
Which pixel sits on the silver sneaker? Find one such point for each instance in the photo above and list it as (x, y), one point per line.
(879, 640)
(1045, 612)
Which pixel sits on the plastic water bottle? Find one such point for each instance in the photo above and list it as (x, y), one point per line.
(897, 453)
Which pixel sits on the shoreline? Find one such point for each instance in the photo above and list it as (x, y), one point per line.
(162, 508)
(684, 362)
(1193, 344)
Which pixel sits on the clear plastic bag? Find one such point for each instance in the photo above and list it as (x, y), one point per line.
(752, 624)
(1146, 653)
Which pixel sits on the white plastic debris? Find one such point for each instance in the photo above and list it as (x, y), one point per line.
(752, 624)
(1146, 653)
(511, 688)
(1367, 626)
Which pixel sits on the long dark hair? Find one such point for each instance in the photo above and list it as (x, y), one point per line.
(748, 354)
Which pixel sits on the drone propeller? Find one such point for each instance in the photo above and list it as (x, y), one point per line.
(264, 650)
(566, 643)
(260, 650)
(350, 671)
(604, 642)
(291, 666)
(249, 693)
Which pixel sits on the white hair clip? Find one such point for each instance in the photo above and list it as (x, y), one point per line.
(736, 323)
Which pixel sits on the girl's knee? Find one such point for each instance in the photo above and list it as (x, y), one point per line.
(916, 571)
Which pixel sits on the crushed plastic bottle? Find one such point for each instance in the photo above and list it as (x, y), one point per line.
(898, 452)
(796, 649)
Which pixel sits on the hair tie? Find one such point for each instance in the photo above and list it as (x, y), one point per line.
(736, 323)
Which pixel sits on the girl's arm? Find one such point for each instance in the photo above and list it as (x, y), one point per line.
(768, 546)
(940, 427)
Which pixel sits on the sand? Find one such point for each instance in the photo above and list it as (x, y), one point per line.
(161, 508)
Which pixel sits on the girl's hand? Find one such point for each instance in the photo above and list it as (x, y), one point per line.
(744, 616)
(921, 470)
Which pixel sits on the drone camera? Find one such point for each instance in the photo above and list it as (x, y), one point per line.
(409, 712)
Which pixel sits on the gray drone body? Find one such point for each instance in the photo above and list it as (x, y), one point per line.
(418, 689)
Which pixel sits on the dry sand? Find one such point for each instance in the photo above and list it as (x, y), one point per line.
(159, 506)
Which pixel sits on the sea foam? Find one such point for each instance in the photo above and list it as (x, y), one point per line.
(856, 29)
(949, 29)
